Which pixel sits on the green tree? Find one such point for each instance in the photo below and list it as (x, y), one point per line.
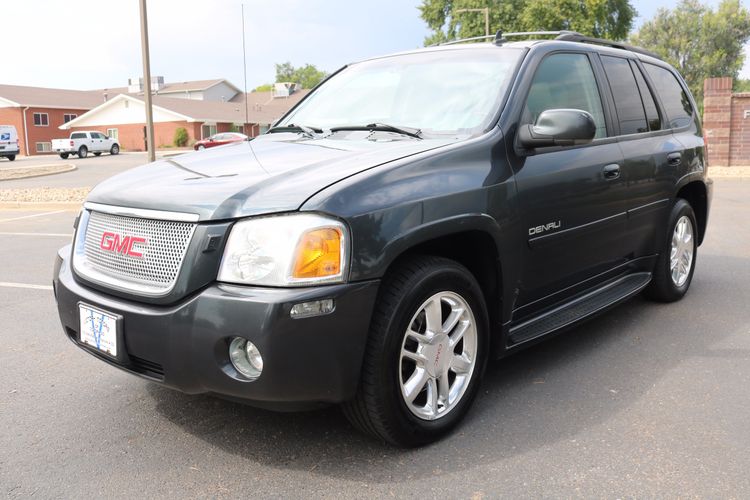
(266, 87)
(600, 18)
(307, 76)
(742, 85)
(698, 41)
(180, 137)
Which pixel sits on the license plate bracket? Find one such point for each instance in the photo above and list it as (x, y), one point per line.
(100, 331)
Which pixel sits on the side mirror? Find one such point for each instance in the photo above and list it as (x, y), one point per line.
(558, 127)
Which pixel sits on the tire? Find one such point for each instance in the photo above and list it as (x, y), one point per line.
(64, 156)
(98, 153)
(115, 150)
(669, 284)
(381, 406)
(11, 157)
(83, 152)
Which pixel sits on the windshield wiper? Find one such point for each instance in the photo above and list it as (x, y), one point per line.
(311, 132)
(382, 127)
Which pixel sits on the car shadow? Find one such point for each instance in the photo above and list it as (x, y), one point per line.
(554, 391)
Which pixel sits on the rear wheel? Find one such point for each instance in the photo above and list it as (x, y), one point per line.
(83, 151)
(115, 150)
(64, 156)
(676, 262)
(426, 353)
(12, 157)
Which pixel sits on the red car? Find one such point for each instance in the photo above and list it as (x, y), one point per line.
(219, 140)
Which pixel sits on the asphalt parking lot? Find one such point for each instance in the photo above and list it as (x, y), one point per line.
(649, 400)
(89, 171)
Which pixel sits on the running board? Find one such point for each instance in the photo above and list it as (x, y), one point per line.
(578, 308)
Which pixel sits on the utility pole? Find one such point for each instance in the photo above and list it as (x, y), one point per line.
(244, 67)
(147, 84)
(486, 11)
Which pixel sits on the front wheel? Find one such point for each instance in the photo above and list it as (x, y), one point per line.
(11, 157)
(676, 262)
(98, 153)
(64, 156)
(115, 150)
(83, 152)
(426, 353)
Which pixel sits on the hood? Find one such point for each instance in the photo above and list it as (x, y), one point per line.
(272, 173)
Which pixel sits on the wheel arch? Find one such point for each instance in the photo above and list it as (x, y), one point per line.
(696, 193)
(470, 240)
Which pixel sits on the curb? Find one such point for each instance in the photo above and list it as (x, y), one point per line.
(70, 168)
(41, 205)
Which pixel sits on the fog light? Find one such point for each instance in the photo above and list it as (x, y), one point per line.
(316, 308)
(245, 358)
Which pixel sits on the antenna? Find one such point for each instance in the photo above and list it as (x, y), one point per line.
(244, 68)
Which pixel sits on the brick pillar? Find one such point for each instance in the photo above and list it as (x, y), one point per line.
(717, 119)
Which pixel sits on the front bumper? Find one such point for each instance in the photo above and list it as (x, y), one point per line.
(185, 345)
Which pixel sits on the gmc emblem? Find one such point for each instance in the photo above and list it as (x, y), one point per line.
(112, 242)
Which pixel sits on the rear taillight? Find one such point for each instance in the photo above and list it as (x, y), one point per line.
(71, 143)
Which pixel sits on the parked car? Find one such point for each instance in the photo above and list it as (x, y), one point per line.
(83, 143)
(219, 140)
(8, 142)
(412, 218)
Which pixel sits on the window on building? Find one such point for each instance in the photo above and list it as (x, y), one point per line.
(41, 119)
(43, 147)
(113, 133)
(68, 117)
(674, 98)
(630, 112)
(207, 131)
(565, 81)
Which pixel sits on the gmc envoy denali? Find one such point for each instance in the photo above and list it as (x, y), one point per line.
(413, 217)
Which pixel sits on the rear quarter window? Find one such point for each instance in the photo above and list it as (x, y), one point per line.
(675, 100)
(78, 135)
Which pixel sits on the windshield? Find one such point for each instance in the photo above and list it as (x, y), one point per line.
(445, 92)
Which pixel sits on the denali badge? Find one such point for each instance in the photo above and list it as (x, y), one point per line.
(112, 242)
(544, 228)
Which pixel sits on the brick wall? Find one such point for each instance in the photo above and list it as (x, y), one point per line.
(37, 134)
(726, 123)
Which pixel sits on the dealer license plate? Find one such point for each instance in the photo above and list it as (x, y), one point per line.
(98, 329)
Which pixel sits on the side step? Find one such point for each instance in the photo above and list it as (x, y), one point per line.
(579, 308)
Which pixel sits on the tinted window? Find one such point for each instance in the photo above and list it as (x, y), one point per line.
(628, 103)
(78, 135)
(674, 99)
(649, 104)
(565, 81)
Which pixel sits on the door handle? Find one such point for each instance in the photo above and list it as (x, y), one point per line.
(674, 159)
(611, 172)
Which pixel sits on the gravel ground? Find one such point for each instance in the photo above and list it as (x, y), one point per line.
(7, 174)
(45, 194)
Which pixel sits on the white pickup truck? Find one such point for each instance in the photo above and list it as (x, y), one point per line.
(83, 143)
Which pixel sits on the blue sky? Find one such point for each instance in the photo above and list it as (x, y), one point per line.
(87, 44)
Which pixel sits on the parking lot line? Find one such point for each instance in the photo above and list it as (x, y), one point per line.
(25, 285)
(33, 215)
(60, 235)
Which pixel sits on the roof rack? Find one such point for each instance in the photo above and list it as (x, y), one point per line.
(572, 36)
(562, 35)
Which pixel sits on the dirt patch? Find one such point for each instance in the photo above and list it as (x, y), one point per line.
(7, 174)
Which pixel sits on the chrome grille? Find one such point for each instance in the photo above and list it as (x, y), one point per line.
(155, 273)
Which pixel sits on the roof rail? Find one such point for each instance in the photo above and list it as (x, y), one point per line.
(572, 36)
(562, 35)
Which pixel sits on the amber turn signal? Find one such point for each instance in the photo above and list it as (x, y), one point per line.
(318, 254)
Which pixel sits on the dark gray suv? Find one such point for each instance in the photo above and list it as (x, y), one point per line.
(415, 216)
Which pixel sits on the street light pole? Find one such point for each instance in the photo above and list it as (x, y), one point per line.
(147, 84)
(486, 11)
(244, 68)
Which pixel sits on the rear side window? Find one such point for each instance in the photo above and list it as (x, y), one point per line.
(673, 97)
(649, 104)
(630, 112)
(564, 81)
(78, 135)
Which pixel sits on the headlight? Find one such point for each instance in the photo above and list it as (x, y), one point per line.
(286, 250)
